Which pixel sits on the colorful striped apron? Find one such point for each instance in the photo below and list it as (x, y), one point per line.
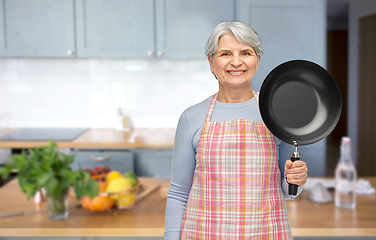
(236, 191)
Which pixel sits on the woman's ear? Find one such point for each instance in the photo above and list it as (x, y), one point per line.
(210, 60)
(258, 62)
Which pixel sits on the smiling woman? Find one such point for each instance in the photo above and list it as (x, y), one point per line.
(226, 181)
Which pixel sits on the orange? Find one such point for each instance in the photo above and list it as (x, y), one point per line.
(98, 203)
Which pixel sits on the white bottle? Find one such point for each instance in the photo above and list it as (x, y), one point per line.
(120, 121)
(345, 178)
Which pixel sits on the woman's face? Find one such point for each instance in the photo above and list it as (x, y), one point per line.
(234, 63)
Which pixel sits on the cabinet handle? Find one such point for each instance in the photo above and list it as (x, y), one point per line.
(160, 53)
(100, 158)
(150, 53)
(70, 52)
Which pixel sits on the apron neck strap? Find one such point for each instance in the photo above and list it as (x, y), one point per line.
(212, 104)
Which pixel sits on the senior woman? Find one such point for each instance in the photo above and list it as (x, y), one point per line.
(226, 182)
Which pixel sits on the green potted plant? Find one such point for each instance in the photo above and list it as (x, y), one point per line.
(45, 167)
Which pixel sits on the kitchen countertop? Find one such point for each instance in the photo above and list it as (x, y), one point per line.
(146, 218)
(107, 138)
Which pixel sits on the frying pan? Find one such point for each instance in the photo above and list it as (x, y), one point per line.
(300, 103)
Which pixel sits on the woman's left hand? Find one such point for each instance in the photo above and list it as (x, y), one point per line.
(296, 172)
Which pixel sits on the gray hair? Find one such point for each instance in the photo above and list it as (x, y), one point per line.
(243, 32)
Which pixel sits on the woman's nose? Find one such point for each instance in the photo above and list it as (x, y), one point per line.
(236, 61)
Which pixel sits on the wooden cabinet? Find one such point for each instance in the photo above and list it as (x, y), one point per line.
(37, 28)
(120, 160)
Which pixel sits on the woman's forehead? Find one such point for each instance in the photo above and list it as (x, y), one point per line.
(230, 42)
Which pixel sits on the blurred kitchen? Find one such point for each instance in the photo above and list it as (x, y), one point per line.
(74, 63)
(77, 70)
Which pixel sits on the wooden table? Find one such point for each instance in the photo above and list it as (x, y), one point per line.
(146, 218)
(309, 219)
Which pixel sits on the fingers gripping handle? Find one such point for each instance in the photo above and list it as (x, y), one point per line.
(295, 156)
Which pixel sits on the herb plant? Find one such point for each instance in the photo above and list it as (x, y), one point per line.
(48, 168)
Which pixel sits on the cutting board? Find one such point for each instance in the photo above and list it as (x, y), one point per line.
(146, 188)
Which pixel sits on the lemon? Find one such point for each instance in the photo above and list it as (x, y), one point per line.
(112, 175)
(126, 201)
(118, 185)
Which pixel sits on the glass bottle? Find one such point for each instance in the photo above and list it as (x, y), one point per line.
(345, 195)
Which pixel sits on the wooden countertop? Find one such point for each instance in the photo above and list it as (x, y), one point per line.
(108, 138)
(146, 218)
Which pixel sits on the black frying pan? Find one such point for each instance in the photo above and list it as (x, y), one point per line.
(300, 103)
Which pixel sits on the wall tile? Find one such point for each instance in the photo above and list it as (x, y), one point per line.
(88, 92)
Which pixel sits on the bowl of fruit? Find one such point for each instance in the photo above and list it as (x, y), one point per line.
(115, 189)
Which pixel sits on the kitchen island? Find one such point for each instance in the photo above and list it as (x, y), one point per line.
(146, 218)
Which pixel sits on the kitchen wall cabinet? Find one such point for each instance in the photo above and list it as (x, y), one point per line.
(116, 28)
(120, 160)
(174, 29)
(183, 27)
(37, 28)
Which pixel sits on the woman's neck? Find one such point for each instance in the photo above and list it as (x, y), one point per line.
(234, 95)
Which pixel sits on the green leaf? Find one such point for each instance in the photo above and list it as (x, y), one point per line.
(4, 172)
(86, 177)
(64, 183)
(92, 189)
(44, 177)
(50, 186)
(27, 186)
(79, 189)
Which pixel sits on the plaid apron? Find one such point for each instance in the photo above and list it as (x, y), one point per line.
(236, 191)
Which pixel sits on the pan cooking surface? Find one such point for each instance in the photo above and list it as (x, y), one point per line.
(300, 101)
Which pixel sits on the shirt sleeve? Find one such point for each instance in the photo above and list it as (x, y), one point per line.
(183, 167)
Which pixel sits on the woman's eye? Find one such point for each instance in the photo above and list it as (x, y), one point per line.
(224, 54)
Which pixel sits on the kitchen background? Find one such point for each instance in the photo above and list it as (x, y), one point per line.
(87, 92)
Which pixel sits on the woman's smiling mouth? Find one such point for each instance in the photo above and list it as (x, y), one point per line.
(236, 72)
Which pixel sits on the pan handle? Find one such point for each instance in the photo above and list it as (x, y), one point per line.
(293, 188)
(295, 156)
